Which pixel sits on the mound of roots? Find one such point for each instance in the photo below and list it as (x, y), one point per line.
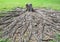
(24, 26)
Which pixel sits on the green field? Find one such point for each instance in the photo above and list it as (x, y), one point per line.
(8, 4)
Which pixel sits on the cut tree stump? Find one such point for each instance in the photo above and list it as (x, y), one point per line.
(29, 26)
(29, 8)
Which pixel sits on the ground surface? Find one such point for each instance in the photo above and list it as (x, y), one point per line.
(23, 26)
(8, 4)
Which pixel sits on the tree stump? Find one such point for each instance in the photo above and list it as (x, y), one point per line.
(31, 26)
(29, 8)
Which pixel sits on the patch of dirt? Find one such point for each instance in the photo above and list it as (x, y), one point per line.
(24, 26)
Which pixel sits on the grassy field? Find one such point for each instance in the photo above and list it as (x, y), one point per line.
(8, 4)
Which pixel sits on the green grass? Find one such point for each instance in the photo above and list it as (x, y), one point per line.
(57, 38)
(5, 40)
(8, 4)
(3, 14)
